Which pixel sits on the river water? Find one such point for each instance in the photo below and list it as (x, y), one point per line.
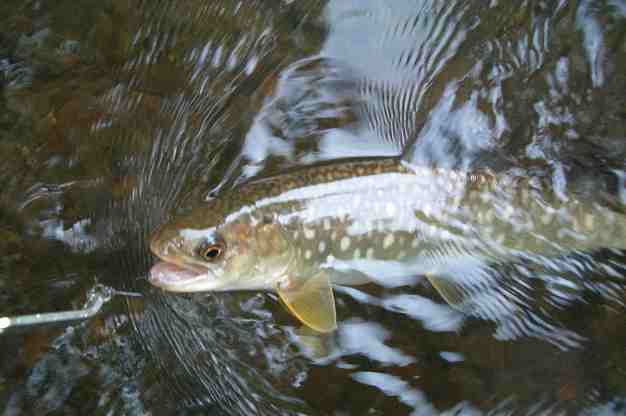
(115, 115)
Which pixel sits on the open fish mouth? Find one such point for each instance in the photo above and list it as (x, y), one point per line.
(170, 276)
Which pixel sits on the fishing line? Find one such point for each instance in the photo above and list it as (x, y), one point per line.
(97, 296)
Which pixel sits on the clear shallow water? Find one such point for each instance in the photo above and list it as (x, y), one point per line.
(114, 115)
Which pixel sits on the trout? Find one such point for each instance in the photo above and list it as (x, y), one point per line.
(376, 220)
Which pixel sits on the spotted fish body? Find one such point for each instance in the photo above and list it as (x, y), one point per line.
(376, 219)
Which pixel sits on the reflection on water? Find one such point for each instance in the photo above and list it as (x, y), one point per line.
(118, 114)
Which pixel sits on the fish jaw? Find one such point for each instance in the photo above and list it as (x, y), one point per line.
(173, 278)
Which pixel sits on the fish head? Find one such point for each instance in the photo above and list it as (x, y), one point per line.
(235, 252)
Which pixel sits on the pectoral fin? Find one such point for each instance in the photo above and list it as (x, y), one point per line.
(311, 300)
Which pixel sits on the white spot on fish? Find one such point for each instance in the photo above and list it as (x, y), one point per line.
(333, 235)
(610, 217)
(345, 243)
(589, 221)
(489, 216)
(414, 243)
(326, 224)
(309, 233)
(296, 233)
(370, 253)
(390, 208)
(401, 255)
(321, 246)
(357, 253)
(308, 254)
(388, 241)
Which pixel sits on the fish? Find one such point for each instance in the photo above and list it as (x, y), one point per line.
(375, 220)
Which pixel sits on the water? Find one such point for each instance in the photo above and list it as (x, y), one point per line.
(116, 114)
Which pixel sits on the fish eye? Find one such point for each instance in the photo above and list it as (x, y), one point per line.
(211, 251)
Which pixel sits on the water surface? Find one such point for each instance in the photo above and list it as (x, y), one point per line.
(115, 115)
